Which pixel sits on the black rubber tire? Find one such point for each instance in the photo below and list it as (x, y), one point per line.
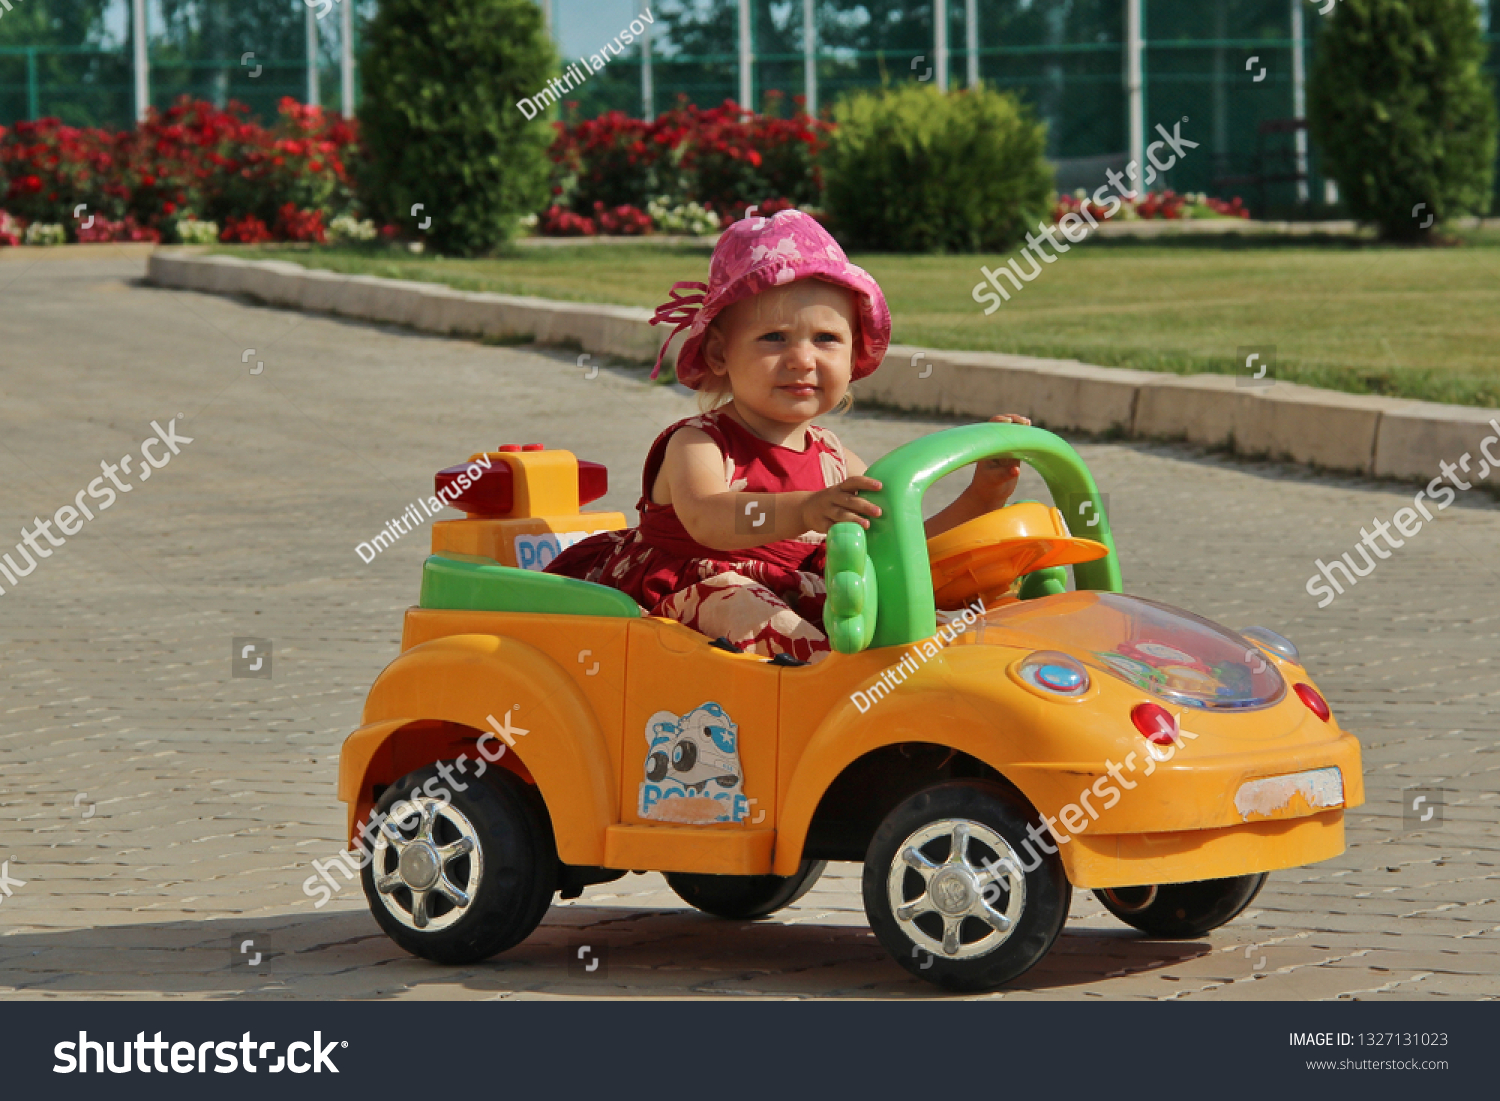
(1047, 898)
(1180, 911)
(520, 868)
(744, 897)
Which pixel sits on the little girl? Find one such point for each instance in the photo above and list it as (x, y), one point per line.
(736, 502)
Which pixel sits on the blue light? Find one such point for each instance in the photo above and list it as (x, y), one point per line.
(1059, 677)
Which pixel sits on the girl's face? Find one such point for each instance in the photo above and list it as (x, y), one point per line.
(787, 352)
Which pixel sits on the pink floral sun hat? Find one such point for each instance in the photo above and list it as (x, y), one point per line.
(755, 254)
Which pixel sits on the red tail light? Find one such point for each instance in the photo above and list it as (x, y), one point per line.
(1315, 703)
(1155, 723)
(493, 492)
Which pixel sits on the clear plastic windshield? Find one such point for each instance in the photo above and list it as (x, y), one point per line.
(1172, 654)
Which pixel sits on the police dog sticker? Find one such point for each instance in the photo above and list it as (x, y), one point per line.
(693, 773)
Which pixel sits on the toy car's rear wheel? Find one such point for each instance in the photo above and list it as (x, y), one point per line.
(949, 893)
(745, 897)
(461, 879)
(1177, 910)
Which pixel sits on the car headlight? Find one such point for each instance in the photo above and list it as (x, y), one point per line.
(1054, 672)
(1282, 647)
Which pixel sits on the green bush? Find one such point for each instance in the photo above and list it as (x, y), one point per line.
(439, 119)
(1403, 113)
(912, 169)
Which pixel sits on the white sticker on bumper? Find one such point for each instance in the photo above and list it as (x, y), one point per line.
(1272, 796)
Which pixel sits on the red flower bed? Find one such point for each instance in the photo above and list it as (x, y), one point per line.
(192, 159)
(726, 158)
(1153, 204)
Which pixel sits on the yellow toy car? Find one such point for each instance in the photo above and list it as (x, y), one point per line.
(983, 739)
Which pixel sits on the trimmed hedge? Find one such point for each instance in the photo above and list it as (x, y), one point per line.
(913, 169)
(440, 122)
(1403, 113)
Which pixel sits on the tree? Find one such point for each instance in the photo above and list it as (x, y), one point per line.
(1403, 113)
(440, 121)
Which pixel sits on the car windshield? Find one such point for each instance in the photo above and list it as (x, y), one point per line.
(1172, 654)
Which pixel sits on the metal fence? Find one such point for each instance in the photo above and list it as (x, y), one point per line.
(1101, 73)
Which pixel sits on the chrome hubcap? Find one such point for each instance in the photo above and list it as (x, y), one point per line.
(957, 888)
(427, 863)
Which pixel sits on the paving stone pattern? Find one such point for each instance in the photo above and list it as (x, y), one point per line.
(161, 812)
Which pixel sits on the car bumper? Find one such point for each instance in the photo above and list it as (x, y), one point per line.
(1206, 818)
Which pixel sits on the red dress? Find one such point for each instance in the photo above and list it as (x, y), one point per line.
(767, 599)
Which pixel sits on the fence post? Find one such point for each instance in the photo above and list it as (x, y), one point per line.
(1299, 96)
(346, 57)
(971, 39)
(1135, 84)
(810, 56)
(33, 93)
(142, 60)
(311, 24)
(940, 41)
(648, 91)
(747, 57)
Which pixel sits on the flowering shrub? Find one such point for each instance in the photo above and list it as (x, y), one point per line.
(723, 159)
(299, 225)
(193, 159)
(557, 222)
(101, 230)
(347, 228)
(246, 230)
(192, 231)
(687, 218)
(45, 233)
(623, 220)
(1152, 204)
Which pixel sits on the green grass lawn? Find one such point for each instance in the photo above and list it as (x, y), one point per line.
(1348, 315)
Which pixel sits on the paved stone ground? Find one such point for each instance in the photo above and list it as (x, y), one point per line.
(160, 811)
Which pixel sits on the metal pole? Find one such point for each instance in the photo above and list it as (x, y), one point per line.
(940, 41)
(142, 62)
(971, 39)
(648, 97)
(747, 58)
(311, 23)
(1135, 85)
(346, 57)
(33, 96)
(547, 16)
(810, 56)
(1299, 96)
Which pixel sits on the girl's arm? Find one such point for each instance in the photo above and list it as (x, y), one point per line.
(729, 520)
(994, 482)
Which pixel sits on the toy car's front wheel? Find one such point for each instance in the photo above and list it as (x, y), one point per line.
(745, 897)
(460, 878)
(1178, 910)
(950, 894)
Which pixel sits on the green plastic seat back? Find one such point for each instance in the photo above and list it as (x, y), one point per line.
(463, 582)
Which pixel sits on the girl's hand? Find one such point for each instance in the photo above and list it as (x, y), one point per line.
(823, 509)
(995, 479)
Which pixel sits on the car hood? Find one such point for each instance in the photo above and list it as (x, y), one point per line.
(1174, 655)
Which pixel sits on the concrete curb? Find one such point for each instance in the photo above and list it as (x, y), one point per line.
(1385, 437)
